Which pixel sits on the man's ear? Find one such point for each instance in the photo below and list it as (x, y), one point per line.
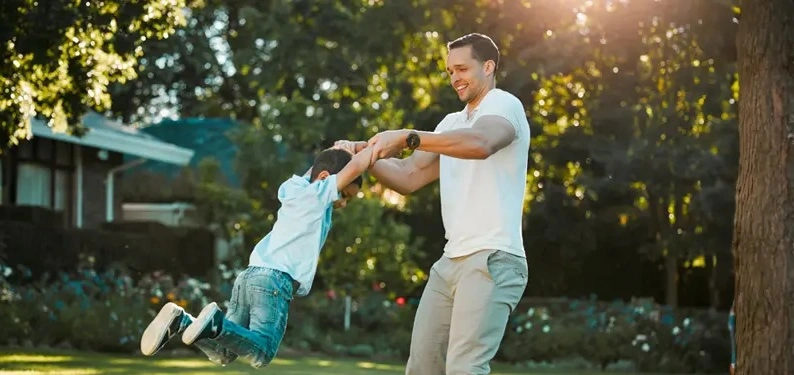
(323, 175)
(490, 67)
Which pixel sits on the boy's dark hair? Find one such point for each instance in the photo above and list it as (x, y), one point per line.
(483, 48)
(332, 160)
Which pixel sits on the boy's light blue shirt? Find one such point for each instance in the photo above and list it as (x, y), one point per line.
(302, 224)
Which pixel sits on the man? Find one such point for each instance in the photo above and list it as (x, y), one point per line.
(480, 157)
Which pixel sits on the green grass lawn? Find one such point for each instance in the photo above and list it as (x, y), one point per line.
(80, 363)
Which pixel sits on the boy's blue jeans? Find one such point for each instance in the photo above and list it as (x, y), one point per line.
(256, 319)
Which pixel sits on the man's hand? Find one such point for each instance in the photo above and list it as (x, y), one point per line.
(387, 144)
(353, 147)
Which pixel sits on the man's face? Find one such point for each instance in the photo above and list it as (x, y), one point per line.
(345, 195)
(467, 75)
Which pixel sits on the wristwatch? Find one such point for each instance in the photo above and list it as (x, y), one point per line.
(413, 140)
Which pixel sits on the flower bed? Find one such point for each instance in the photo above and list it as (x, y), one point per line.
(648, 336)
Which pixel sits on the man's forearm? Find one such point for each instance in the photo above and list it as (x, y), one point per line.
(461, 143)
(392, 174)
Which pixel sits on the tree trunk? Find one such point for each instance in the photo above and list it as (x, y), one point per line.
(763, 242)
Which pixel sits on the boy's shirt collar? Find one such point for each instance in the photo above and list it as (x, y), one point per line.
(299, 186)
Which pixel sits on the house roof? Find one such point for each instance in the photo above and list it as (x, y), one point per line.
(208, 137)
(111, 135)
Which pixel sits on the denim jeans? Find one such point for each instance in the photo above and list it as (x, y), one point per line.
(256, 319)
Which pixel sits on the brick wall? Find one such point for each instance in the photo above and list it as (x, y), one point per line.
(95, 172)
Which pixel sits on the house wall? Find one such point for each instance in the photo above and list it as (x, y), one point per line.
(95, 172)
(172, 214)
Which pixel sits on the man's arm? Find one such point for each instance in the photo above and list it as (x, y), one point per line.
(489, 134)
(408, 175)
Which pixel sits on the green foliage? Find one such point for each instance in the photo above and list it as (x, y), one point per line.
(218, 203)
(58, 57)
(368, 247)
(89, 310)
(632, 107)
(643, 131)
(653, 338)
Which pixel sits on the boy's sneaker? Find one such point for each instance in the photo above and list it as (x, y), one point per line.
(206, 326)
(164, 326)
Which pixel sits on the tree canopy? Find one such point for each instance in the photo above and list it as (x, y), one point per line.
(632, 107)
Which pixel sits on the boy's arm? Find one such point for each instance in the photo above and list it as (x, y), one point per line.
(404, 176)
(357, 165)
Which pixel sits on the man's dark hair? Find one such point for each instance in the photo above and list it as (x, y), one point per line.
(332, 160)
(483, 48)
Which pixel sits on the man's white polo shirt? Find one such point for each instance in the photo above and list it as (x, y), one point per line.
(482, 200)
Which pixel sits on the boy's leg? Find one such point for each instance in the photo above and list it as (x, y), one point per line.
(170, 321)
(216, 352)
(268, 293)
(489, 286)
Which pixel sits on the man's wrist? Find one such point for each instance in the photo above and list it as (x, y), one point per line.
(411, 139)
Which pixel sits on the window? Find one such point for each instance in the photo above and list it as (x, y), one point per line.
(43, 174)
(34, 186)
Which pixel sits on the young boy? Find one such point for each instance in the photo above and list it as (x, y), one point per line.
(283, 262)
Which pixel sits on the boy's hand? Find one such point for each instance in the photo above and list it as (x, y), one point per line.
(366, 154)
(350, 146)
(363, 158)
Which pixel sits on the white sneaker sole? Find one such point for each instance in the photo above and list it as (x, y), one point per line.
(158, 328)
(201, 322)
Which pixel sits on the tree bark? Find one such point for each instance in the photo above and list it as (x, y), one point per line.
(763, 242)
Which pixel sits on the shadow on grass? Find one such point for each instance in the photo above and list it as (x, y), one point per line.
(77, 363)
(38, 361)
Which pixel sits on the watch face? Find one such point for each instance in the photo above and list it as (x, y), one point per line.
(413, 140)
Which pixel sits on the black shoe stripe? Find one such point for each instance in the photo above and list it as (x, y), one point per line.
(171, 331)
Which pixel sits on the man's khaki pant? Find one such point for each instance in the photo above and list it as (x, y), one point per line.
(463, 313)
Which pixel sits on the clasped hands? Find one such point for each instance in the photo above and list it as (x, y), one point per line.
(385, 144)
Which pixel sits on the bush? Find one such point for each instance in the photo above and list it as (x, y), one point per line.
(88, 310)
(181, 251)
(32, 214)
(141, 247)
(650, 336)
(378, 326)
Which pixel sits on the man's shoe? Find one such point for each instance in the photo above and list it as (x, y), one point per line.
(206, 326)
(164, 326)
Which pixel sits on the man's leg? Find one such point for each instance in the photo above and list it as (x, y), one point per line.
(489, 286)
(430, 334)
